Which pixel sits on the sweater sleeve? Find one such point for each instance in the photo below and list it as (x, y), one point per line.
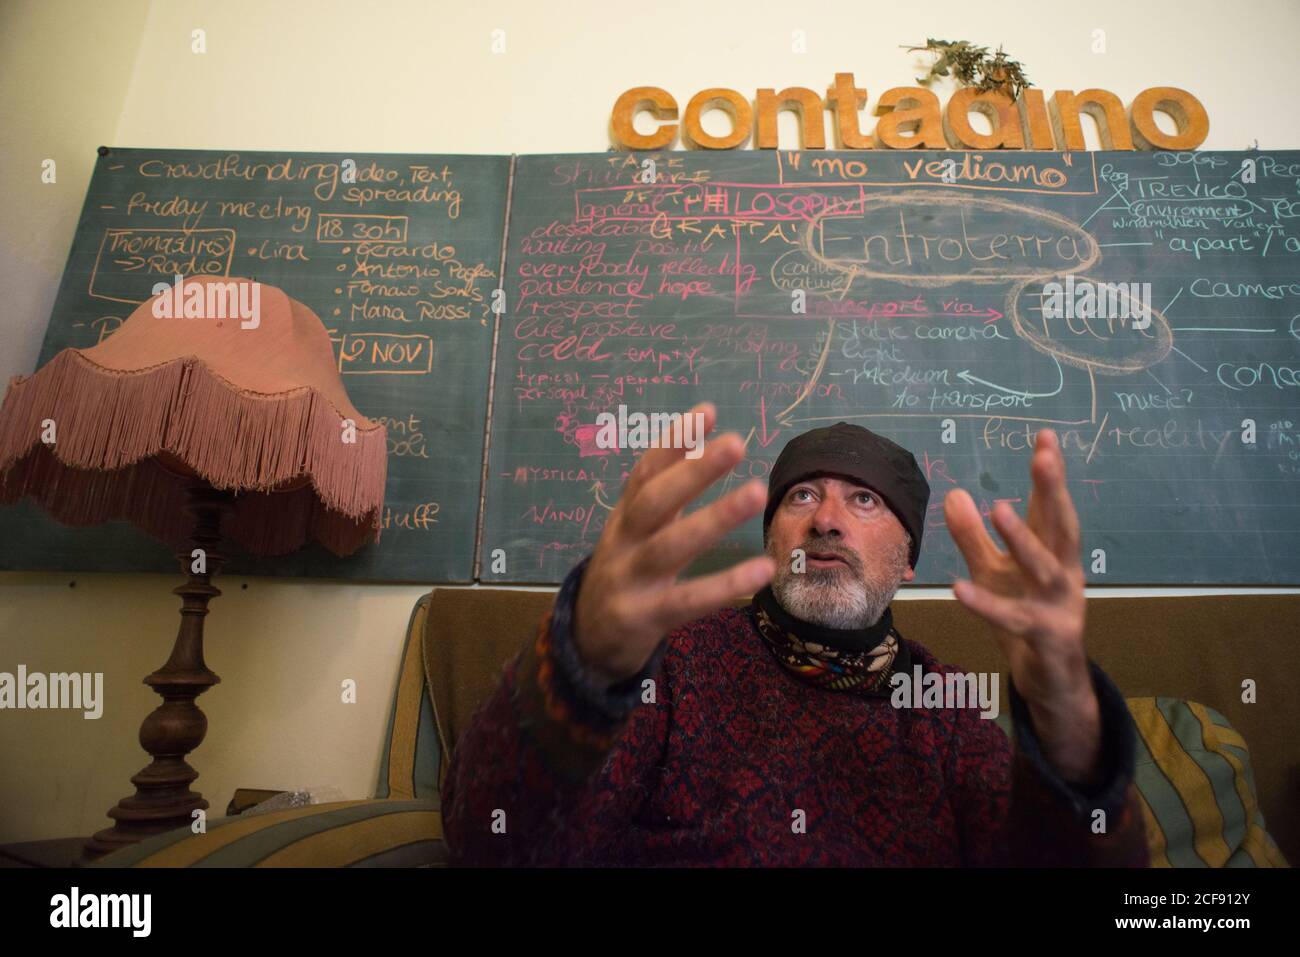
(1014, 808)
(519, 785)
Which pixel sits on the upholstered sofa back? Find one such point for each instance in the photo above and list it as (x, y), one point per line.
(1199, 649)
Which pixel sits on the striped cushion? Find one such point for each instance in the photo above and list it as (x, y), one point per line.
(344, 834)
(412, 753)
(1197, 790)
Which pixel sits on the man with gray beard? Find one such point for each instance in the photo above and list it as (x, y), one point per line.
(840, 597)
(652, 722)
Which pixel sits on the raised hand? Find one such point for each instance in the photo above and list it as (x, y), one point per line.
(1033, 595)
(630, 598)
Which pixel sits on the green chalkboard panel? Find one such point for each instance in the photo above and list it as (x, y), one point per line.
(386, 249)
(912, 293)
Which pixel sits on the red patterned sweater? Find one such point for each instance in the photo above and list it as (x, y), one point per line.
(737, 762)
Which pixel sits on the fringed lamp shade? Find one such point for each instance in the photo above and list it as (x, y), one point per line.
(214, 411)
(253, 406)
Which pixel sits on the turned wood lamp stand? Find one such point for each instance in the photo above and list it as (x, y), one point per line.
(163, 799)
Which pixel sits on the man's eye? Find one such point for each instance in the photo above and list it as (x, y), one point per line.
(866, 499)
(794, 496)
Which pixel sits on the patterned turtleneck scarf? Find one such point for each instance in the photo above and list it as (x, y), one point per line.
(859, 660)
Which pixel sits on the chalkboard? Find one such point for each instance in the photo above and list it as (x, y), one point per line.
(398, 254)
(925, 316)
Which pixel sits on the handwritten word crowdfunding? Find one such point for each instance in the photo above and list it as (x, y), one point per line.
(209, 300)
(639, 430)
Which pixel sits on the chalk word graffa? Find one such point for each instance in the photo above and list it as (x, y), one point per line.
(1098, 300)
(639, 430)
(209, 300)
(955, 690)
(77, 690)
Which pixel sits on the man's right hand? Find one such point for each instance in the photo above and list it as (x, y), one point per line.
(630, 599)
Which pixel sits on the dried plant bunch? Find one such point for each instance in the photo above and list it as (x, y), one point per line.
(972, 65)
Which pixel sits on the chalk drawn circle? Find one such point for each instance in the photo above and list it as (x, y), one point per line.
(915, 203)
(1153, 344)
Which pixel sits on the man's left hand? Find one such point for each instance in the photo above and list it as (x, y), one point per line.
(1033, 596)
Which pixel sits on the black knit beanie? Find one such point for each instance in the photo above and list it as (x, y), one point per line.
(852, 452)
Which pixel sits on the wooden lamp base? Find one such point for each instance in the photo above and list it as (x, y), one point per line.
(163, 799)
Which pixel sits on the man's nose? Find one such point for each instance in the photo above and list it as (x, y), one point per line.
(829, 518)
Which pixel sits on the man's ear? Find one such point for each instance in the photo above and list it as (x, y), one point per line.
(909, 574)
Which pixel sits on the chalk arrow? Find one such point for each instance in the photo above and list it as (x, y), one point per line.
(596, 488)
(969, 379)
(783, 417)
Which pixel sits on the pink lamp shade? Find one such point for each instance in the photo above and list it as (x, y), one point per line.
(251, 403)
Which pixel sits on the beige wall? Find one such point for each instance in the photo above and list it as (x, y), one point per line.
(420, 77)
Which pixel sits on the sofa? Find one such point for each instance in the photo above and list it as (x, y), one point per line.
(1209, 799)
